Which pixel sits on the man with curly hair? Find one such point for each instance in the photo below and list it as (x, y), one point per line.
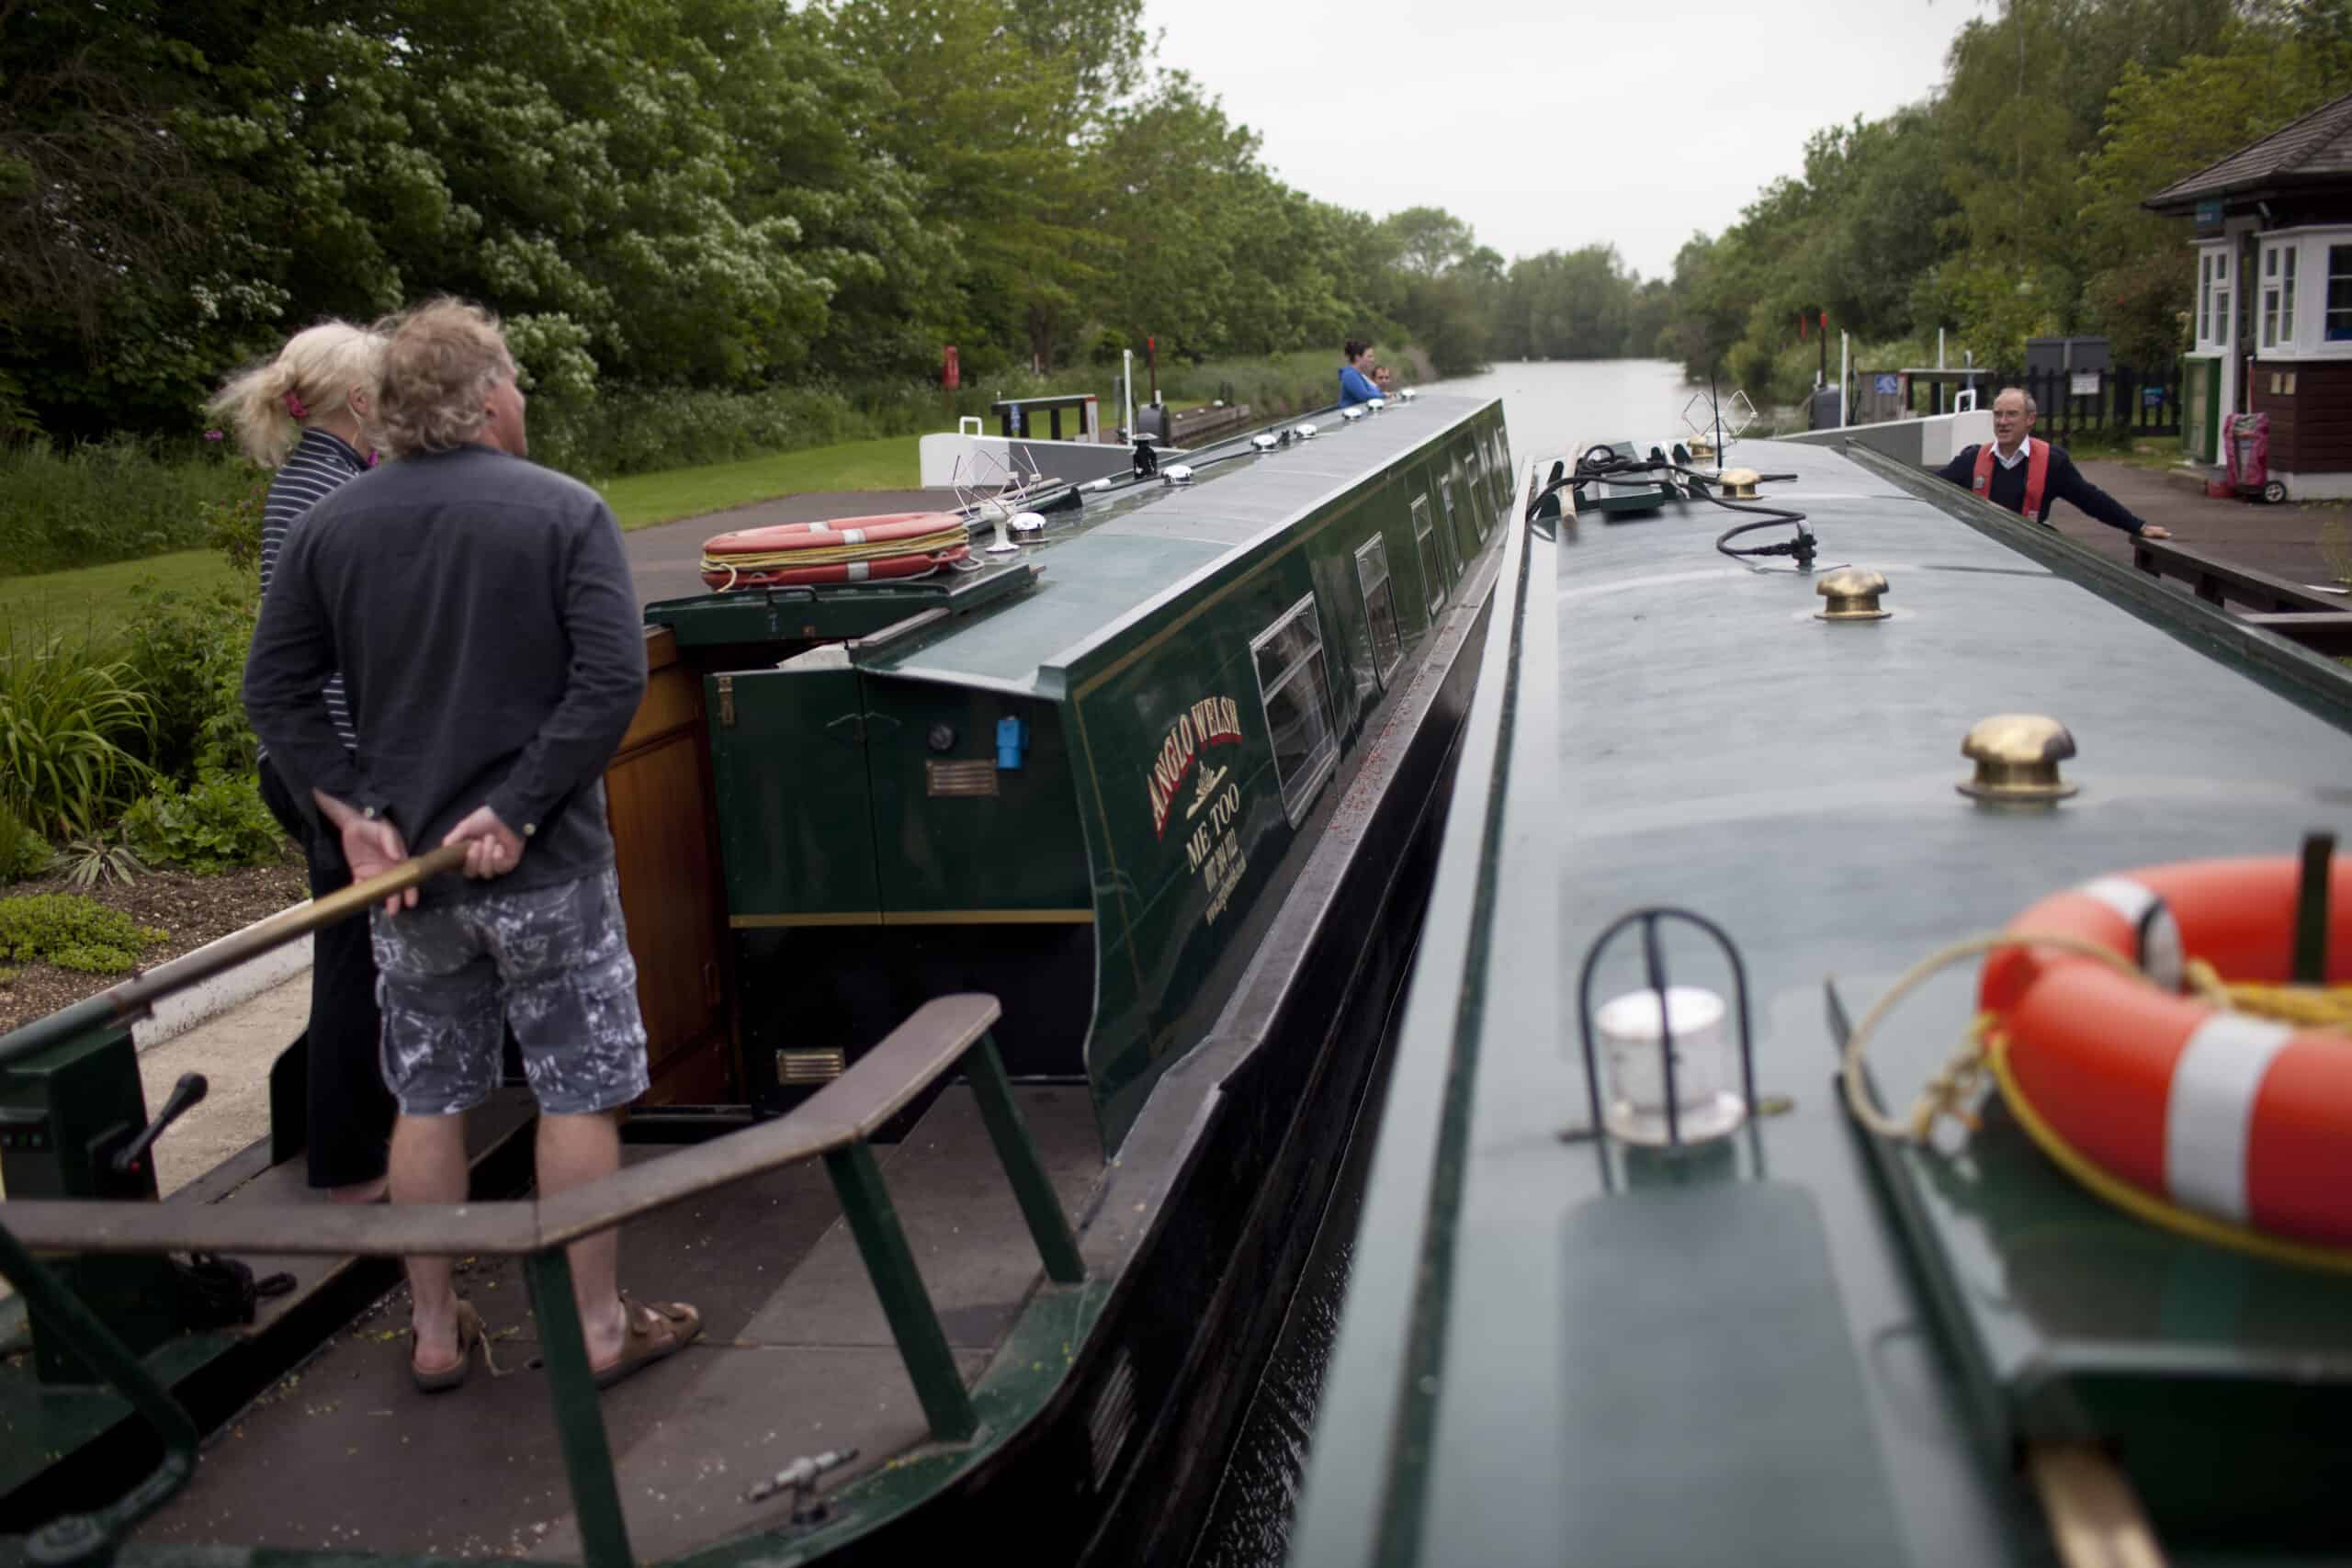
(481, 610)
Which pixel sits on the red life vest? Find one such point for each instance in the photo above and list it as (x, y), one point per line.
(2037, 475)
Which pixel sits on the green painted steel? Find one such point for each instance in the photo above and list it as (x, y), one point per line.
(1168, 701)
(64, 1109)
(91, 1537)
(866, 1204)
(1015, 848)
(66, 1023)
(579, 1419)
(796, 820)
(1135, 668)
(1040, 1205)
(769, 616)
(1655, 726)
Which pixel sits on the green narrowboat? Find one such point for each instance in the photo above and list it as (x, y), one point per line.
(1014, 944)
(1659, 1259)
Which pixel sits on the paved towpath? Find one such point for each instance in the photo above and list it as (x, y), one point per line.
(2282, 540)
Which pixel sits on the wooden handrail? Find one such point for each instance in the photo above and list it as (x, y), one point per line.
(128, 1001)
(2218, 580)
(852, 1107)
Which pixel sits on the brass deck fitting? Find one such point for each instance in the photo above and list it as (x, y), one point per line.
(2016, 757)
(1739, 484)
(1852, 592)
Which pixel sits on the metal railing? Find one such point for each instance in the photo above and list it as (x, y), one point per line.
(834, 1126)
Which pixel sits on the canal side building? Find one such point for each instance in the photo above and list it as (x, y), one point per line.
(2272, 315)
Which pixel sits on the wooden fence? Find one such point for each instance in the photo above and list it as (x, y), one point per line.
(2127, 401)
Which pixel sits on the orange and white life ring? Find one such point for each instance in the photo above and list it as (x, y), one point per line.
(889, 528)
(2242, 1121)
(878, 570)
(845, 550)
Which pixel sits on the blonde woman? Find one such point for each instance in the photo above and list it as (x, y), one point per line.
(304, 412)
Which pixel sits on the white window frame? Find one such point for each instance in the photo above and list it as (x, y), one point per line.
(1425, 547)
(2301, 323)
(2213, 297)
(1299, 793)
(2280, 266)
(1373, 553)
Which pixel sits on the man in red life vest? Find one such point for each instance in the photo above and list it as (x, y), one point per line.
(2016, 471)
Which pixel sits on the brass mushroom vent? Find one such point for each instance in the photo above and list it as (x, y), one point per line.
(2016, 757)
(1852, 593)
(1740, 484)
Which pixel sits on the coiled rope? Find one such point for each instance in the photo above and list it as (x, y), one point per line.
(1983, 1049)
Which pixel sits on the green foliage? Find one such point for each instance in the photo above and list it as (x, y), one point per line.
(215, 825)
(23, 852)
(72, 932)
(231, 526)
(186, 652)
(122, 499)
(670, 198)
(72, 729)
(98, 857)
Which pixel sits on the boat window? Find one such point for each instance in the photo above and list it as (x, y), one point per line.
(1449, 541)
(1502, 468)
(1296, 690)
(1379, 607)
(1432, 575)
(1474, 497)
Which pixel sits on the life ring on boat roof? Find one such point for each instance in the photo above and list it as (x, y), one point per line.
(843, 549)
(2230, 1126)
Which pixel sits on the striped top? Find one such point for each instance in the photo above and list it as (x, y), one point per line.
(319, 463)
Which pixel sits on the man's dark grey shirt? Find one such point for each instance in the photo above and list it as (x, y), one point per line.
(482, 615)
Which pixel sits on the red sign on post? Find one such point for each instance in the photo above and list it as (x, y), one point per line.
(950, 375)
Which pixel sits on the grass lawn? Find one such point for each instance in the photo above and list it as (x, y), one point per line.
(642, 500)
(97, 598)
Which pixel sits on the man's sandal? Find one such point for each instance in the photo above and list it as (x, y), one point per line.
(655, 1329)
(471, 1333)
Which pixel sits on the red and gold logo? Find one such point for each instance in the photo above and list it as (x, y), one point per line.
(1211, 721)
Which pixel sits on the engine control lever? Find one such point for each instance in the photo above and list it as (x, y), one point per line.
(184, 1096)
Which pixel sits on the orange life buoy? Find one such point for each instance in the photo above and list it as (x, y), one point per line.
(843, 549)
(2237, 1118)
(879, 568)
(889, 527)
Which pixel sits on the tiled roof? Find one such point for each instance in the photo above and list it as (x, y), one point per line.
(2316, 146)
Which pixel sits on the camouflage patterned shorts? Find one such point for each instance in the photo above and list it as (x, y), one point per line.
(555, 961)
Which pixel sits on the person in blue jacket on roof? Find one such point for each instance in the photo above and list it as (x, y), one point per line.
(1355, 376)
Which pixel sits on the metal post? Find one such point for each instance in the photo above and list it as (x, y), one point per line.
(1845, 411)
(578, 1419)
(865, 1203)
(1039, 1204)
(2311, 910)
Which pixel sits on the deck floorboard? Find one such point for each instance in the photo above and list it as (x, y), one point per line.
(795, 1359)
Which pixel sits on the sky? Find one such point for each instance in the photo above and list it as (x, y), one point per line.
(1556, 125)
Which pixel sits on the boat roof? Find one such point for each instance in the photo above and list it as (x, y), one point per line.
(1663, 725)
(1134, 549)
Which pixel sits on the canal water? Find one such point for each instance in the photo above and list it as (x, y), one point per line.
(1549, 407)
